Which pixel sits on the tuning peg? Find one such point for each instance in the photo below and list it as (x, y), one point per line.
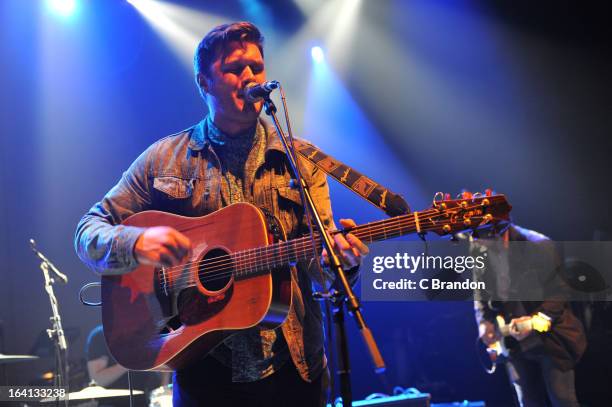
(438, 197)
(447, 197)
(488, 192)
(466, 195)
(486, 219)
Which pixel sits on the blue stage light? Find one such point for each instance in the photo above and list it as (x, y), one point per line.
(64, 8)
(317, 54)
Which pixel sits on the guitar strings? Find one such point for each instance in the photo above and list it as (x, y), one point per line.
(254, 251)
(244, 258)
(219, 276)
(223, 272)
(304, 247)
(278, 253)
(368, 227)
(366, 231)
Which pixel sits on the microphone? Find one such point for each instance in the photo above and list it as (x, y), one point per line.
(256, 91)
(63, 278)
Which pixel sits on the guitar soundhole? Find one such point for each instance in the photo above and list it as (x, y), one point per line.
(216, 270)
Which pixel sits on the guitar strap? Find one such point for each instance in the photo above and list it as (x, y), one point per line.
(391, 203)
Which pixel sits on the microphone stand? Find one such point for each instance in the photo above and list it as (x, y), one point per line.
(347, 296)
(56, 333)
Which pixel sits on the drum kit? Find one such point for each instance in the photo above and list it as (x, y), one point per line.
(15, 358)
(92, 394)
(95, 393)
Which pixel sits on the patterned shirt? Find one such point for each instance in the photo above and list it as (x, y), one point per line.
(254, 353)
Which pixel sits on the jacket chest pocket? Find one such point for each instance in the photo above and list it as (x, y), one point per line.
(175, 194)
(174, 187)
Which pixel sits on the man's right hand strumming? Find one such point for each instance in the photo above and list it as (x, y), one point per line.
(162, 246)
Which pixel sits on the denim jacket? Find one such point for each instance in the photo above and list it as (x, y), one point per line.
(181, 174)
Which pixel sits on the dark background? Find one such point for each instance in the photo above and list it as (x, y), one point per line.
(422, 96)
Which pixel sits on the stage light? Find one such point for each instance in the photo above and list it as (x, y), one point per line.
(64, 8)
(317, 54)
(179, 26)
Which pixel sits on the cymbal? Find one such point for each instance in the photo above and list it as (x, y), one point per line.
(96, 392)
(15, 358)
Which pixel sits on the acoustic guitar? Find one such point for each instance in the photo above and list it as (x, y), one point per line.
(162, 318)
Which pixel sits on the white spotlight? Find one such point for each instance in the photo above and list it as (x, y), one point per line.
(64, 8)
(317, 54)
(181, 27)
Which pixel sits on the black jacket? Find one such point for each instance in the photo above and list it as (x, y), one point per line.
(566, 341)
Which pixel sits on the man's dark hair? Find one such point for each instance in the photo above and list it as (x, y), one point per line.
(216, 41)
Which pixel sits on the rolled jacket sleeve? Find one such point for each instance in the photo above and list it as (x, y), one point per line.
(101, 242)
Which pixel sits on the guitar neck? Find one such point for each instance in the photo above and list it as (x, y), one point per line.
(444, 217)
(402, 225)
(279, 254)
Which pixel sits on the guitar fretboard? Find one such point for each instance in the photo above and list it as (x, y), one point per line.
(263, 259)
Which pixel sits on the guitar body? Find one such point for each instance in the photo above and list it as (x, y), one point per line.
(152, 324)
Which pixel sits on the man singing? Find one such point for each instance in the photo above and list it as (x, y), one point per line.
(231, 156)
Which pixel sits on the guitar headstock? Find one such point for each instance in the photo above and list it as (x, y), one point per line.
(468, 212)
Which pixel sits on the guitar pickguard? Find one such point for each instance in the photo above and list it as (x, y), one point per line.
(194, 307)
(190, 306)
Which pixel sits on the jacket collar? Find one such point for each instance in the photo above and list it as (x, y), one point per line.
(198, 139)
